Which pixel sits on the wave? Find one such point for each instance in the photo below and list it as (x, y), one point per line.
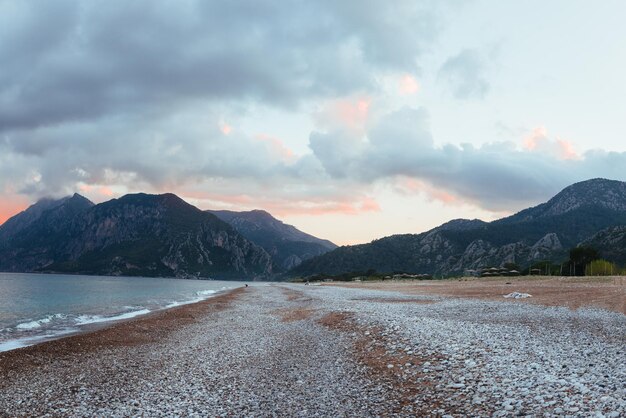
(94, 319)
(56, 325)
(202, 295)
(39, 322)
(206, 292)
(28, 341)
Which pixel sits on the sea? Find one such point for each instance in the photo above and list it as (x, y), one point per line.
(40, 307)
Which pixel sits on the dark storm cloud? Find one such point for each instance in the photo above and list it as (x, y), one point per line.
(71, 60)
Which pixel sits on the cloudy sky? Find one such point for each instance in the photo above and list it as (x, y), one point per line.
(350, 119)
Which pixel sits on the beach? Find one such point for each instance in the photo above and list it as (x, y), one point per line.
(385, 349)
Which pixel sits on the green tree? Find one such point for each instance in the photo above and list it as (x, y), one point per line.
(579, 257)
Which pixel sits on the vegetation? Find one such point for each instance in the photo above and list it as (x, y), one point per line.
(602, 268)
(544, 268)
(369, 275)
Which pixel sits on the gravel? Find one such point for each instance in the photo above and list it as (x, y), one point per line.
(501, 358)
(466, 358)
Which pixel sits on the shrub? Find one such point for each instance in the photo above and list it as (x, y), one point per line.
(601, 268)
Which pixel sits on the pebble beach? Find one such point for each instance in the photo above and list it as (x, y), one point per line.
(295, 350)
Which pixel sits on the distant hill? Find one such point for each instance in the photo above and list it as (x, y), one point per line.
(287, 245)
(544, 232)
(136, 235)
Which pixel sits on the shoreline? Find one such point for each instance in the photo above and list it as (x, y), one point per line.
(142, 329)
(75, 316)
(293, 350)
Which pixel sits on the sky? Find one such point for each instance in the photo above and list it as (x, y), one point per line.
(351, 120)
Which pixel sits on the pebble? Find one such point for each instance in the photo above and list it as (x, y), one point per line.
(476, 357)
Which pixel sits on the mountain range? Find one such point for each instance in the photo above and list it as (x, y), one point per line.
(149, 235)
(287, 245)
(162, 235)
(590, 213)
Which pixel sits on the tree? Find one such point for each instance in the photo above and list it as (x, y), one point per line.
(511, 266)
(579, 257)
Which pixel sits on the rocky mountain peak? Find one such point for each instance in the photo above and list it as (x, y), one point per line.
(599, 193)
(609, 194)
(78, 201)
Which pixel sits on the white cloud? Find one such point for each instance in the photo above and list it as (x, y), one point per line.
(497, 176)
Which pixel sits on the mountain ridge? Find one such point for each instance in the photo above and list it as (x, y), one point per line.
(162, 235)
(541, 232)
(137, 234)
(287, 245)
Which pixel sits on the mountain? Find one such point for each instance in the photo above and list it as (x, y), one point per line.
(604, 194)
(136, 235)
(287, 245)
(543, 232)
(23, 220)
(610, 243)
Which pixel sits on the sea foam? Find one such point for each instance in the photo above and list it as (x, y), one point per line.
(94, 319)
(39, 322)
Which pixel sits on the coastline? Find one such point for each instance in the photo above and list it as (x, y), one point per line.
(45, 310)
(143, 329)
(294, 350)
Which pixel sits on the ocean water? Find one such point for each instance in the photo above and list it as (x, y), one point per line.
(39, 307)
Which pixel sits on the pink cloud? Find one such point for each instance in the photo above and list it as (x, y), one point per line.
(106, 191)
(349, 113)
(538, 135)
(226, 128)
(539, 141)
(284, 207)
(408, 85)
(409, 185)
(567, 150)
(96, 192)
(277, 147)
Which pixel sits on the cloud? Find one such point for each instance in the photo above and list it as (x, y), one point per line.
(344, 204)
(86, 106)
(539, 141)
(496, 176)
(70, 61)
(408, 85)
(464, 75)
(189, 153)
(351, 114)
